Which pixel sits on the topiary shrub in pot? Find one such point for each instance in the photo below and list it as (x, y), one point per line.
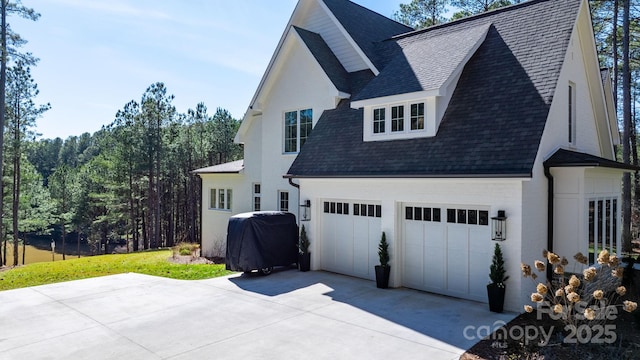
(497, 273)
(383, 270)
(304, 256)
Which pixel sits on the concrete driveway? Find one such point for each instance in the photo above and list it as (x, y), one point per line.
(289, 314)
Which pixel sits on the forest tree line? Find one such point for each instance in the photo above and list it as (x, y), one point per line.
(129, 181)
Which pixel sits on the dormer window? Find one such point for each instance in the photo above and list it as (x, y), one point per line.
(297, 128)
(397, 118)
(379, 121)
(417, 116)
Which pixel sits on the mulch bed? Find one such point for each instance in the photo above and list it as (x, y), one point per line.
(627, 345)
(188, 259)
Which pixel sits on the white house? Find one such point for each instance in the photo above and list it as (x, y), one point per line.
(426, 135)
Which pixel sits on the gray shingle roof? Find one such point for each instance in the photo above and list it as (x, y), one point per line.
(496, 116)
(568, 158)
(232, 167)
(326, 58)
(365, 27)
(426, 64)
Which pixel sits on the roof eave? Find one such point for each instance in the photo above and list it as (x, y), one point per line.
(515, 176)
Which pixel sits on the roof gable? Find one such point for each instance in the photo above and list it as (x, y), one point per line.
(428, 64)
(326, 58)
(365, 26)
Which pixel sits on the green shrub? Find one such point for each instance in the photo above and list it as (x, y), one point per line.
(303, 245)
(186, 249)
(383, 250)
(497, 271)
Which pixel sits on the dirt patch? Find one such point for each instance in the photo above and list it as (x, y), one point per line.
(626, 345)
(6, 268)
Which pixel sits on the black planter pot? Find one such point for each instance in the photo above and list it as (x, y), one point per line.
(496, 297)
(382, 276)
(304, 262)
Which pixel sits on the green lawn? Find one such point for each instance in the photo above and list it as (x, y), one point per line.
(149, 262)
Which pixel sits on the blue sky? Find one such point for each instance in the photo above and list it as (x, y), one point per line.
(97, 55)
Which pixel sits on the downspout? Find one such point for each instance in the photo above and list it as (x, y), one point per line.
(297, 186)
(550, 194)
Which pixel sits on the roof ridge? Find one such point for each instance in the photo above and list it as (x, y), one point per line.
(470, 18)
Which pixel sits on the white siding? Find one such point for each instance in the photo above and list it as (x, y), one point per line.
(568, 226)
(214, 221)
(301, 84)
(556, 131)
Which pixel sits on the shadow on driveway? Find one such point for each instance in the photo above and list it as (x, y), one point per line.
(439, 317)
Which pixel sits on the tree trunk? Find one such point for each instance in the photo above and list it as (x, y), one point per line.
(626, 117)
(78, 240)
(614, 40)
(16, 184)
(132, 213)
(145, 235)
(24, 249)
(636, 175)
(3, 87)
(64, 233)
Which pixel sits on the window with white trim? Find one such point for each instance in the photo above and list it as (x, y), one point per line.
(397, 118)
(220, 199)
(284, 200)
(257, 197)
(379, 121)
(417, 116)
(297, 128)
(603, 226)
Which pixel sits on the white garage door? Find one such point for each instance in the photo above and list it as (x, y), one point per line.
(351, 231)
(447, 250)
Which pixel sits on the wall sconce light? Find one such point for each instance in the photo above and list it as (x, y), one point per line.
(499, 227)
(306, 210)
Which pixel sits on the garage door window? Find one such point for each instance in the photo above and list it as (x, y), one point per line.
(369, 210)
(422, 213)
(332, 207)
(468, 216)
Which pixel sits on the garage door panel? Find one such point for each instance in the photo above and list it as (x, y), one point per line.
(454, 260)
(344, 243)
(329, 242)
(414, 254)
(434, 256)
(349, 239)
(361, 246)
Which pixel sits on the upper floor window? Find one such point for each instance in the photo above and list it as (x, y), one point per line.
(378, 120)
(417, 116)
(571, 119)
(397, 118)
(297, 128)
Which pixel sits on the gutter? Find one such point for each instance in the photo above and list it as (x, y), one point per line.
(297, 186)
(550, 194)
(404, 176)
